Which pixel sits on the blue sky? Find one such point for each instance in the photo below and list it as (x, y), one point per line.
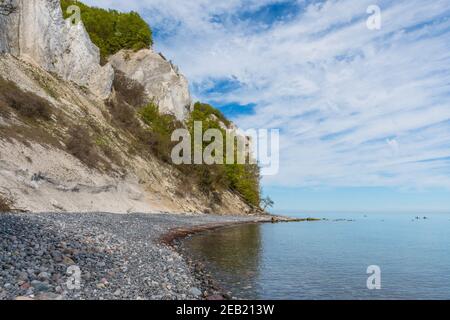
(365, 114)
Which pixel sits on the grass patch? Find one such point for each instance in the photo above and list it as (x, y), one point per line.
(25, 104)
(6, 205)
(159, 132)
(130, 90)
(81, 145)
(26, 134)
(105, 146)
(123, 115)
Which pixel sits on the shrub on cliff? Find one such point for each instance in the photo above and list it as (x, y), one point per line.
(80, 144)
(111, 30)
(6, 205)
(24, 103)
(160, 127)
(162, 123)
(155, 137)
(206, 112)
(130, 90)
(242, 178)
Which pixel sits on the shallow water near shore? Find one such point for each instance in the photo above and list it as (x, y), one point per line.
(329, 259)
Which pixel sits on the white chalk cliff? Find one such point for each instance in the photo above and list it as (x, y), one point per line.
(44, 57)
(162, 82)
(37, 32)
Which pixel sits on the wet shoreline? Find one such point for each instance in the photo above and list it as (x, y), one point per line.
(212, 289)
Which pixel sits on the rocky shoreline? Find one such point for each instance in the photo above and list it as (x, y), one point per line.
(99, 256)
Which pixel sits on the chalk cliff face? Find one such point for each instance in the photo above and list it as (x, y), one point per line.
(39, 174)
(6, 20)
(47, 63)
(37, 32)
(163, 83)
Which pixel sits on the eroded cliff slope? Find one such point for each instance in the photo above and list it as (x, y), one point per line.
(70, 135)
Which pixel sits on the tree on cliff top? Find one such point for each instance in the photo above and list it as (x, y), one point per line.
(111, 30)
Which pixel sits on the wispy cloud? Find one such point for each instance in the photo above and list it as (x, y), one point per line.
(356, 107)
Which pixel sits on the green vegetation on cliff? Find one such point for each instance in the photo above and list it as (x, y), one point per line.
(206, 112)
(111, 30)
(242, 178)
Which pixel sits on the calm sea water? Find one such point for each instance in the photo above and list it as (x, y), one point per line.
(329, 259)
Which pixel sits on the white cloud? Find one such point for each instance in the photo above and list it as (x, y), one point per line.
(344, 96)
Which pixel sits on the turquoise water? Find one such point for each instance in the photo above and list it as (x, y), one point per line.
(329, 259)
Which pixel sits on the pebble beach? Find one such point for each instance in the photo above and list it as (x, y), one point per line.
(103, 256)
